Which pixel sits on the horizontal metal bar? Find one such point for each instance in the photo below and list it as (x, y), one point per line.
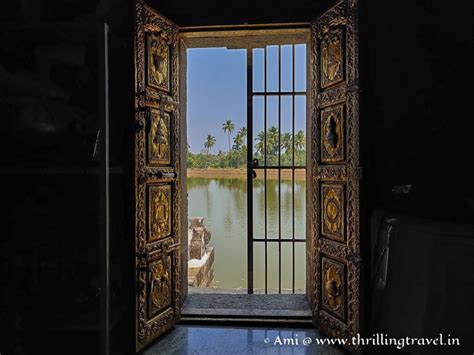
(282, 93)
(278, 240)
(289, 167)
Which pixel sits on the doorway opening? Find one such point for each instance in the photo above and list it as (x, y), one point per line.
(246, 162)
(332, 234)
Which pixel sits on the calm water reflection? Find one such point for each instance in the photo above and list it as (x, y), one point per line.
(223, 204)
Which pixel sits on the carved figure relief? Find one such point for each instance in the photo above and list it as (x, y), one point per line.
(333, 211)
(331, 58)
(159, 212)
(333, 287)
(159, 139)
(160, 286)
(332, 134)
(158, 53)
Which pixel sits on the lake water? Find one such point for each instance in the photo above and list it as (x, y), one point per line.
(223, 204)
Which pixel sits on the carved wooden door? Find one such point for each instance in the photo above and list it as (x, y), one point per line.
(157, 175)
(334, 248)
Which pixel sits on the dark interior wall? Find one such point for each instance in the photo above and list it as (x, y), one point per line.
(49, 176)
(418, 66)
(214, 12)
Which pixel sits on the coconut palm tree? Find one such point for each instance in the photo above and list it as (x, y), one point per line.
(260, 146)
(209, 142)
(287, 146)
(228, 127)
(237, 147)
(286, 142)
(272, 141)
(300, 145)
(300, 141)
(238, 141)
(242, 133)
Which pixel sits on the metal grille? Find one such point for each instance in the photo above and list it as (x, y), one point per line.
(263, 163)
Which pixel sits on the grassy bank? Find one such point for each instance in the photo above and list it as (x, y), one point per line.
(286, 174)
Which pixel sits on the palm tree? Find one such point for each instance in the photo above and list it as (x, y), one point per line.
(260, 146)
(272, 141)
(287, 146)
(242, 132)
(228, 127)
(286, 142)
(300, 141)
(300, 144)
(238, 142)
(209, 142)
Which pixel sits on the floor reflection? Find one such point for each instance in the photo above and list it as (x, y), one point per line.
(208, 340)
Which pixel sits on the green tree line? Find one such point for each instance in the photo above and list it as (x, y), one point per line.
(236, 156)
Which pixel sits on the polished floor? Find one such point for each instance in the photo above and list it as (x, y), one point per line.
(230, 340)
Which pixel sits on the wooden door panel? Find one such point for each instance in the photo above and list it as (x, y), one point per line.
(157, 61)
(332, 57)
(332, 134)
(334, 257)
(158, 138)
(157, 175)
(333, 295)
(160, 211)
(333, 212)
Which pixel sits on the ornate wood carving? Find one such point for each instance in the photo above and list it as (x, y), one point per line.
(159, 211)
(331, 172)
(332, 60)
(160, 286)
(332, 134)
(334, 91)
(332, 96)
(159, 137)
(158, 62)
(333, 287)
(157, 200)
(332, 209)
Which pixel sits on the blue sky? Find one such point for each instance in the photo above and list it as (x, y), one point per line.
(217, 91)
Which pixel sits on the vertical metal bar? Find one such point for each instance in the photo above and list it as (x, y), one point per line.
(249, 171)
(104, 227)
(265, 162)
(279, 170)
(293, 104)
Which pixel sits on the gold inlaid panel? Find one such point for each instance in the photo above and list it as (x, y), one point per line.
(333, 287)
(332, 58)
(160, 286)
(159, 209)
(332, 134)
(332, 201)
(158, 62)
(159, 136)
